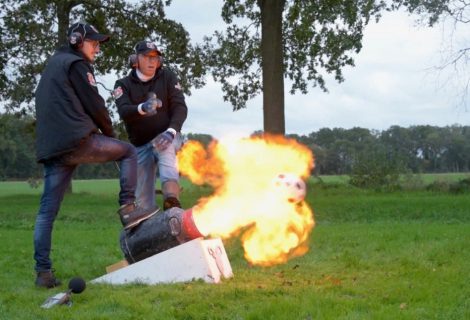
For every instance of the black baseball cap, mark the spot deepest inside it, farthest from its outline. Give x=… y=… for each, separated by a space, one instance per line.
x=87 y=31
x=144 y=47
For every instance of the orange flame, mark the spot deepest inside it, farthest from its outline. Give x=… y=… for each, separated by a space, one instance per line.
x=246 y=198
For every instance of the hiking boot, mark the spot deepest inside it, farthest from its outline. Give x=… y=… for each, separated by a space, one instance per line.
x=171 y=202
x=46 y=279
x=131 y=215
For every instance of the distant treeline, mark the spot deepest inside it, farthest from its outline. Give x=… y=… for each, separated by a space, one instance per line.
x=355 y=152
x=417 y=149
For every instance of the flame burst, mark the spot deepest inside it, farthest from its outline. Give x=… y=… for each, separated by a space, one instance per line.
x=245 y=198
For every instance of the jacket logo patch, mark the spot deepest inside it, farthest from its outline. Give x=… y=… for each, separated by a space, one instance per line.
x=117 y=93
x=178 y=86
x=91 y=79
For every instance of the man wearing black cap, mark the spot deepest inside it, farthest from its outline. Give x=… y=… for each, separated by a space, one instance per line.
x=73 y=127
x=151 y=104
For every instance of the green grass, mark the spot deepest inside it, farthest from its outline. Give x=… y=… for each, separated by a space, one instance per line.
x=423 y=179
x=373 y=255
x=444 y=177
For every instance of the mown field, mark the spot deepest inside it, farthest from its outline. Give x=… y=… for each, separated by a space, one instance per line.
x=373 y=255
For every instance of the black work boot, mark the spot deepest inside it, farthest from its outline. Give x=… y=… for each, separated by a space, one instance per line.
x=171 y=202
x=46 y=279
x=131 y=215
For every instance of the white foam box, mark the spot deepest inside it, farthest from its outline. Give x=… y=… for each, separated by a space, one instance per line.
x=193 y=260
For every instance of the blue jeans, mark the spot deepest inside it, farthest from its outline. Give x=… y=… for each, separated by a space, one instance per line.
x=149 y=163
x=97 y=148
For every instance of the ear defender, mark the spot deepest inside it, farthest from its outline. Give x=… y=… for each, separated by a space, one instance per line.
x=76 y=38
x=132 y=61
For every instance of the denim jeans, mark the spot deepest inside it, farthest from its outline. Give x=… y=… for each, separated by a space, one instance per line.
x=58 y=172
x=151 y=163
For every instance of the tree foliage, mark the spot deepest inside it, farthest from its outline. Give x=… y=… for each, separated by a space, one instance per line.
x=370 y=157
x=417 y=149
x=16 y=145
x=31 y=30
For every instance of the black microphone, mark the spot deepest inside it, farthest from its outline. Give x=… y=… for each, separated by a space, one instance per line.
x=76 y=285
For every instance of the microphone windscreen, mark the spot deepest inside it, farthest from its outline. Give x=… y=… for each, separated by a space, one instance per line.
x=77 y=285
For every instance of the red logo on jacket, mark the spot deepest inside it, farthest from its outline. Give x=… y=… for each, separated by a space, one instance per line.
x=91 y=79
x=117 y=93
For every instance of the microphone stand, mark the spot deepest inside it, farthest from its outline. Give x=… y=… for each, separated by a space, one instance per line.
x=60 y=298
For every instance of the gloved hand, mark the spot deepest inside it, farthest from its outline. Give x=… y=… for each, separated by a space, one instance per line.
x=163 y=140
x=150 y=106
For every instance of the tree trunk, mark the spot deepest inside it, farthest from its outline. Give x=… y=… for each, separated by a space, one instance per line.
x=272 y=65
x=63 y=16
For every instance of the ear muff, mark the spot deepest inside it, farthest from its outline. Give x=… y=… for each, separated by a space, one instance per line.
x=132 y=61
x=76 y=38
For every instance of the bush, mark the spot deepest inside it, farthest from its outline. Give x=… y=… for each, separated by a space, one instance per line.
x=461 y=186
x=376 y=170
x=438 y=186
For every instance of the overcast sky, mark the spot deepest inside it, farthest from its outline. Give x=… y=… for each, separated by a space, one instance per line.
x=393 y=83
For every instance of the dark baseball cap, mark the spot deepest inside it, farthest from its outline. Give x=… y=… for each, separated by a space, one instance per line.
x=87 y=31
x=144 y=47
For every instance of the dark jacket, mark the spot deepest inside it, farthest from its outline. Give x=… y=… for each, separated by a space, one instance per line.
x=68 y=105
x=130 y=91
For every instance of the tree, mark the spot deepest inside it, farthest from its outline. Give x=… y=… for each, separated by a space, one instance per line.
x=400 y=141
x=16 y=142
x=458 y=153
x=294 y=39
x=32 y=29
x=457 y=55
x=18 y=162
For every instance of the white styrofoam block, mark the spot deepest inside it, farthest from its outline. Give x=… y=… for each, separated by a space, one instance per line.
x=195 y=259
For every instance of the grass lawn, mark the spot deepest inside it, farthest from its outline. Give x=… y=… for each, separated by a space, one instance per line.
x=373 y=255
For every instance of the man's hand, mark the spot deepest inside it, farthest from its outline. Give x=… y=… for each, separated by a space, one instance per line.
x=150 y=106
x=163 y=140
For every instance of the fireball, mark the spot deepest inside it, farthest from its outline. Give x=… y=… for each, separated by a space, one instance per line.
x=259 y=192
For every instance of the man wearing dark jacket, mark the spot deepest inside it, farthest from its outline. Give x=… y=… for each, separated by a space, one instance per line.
x=152 y=106
x=73 y=127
